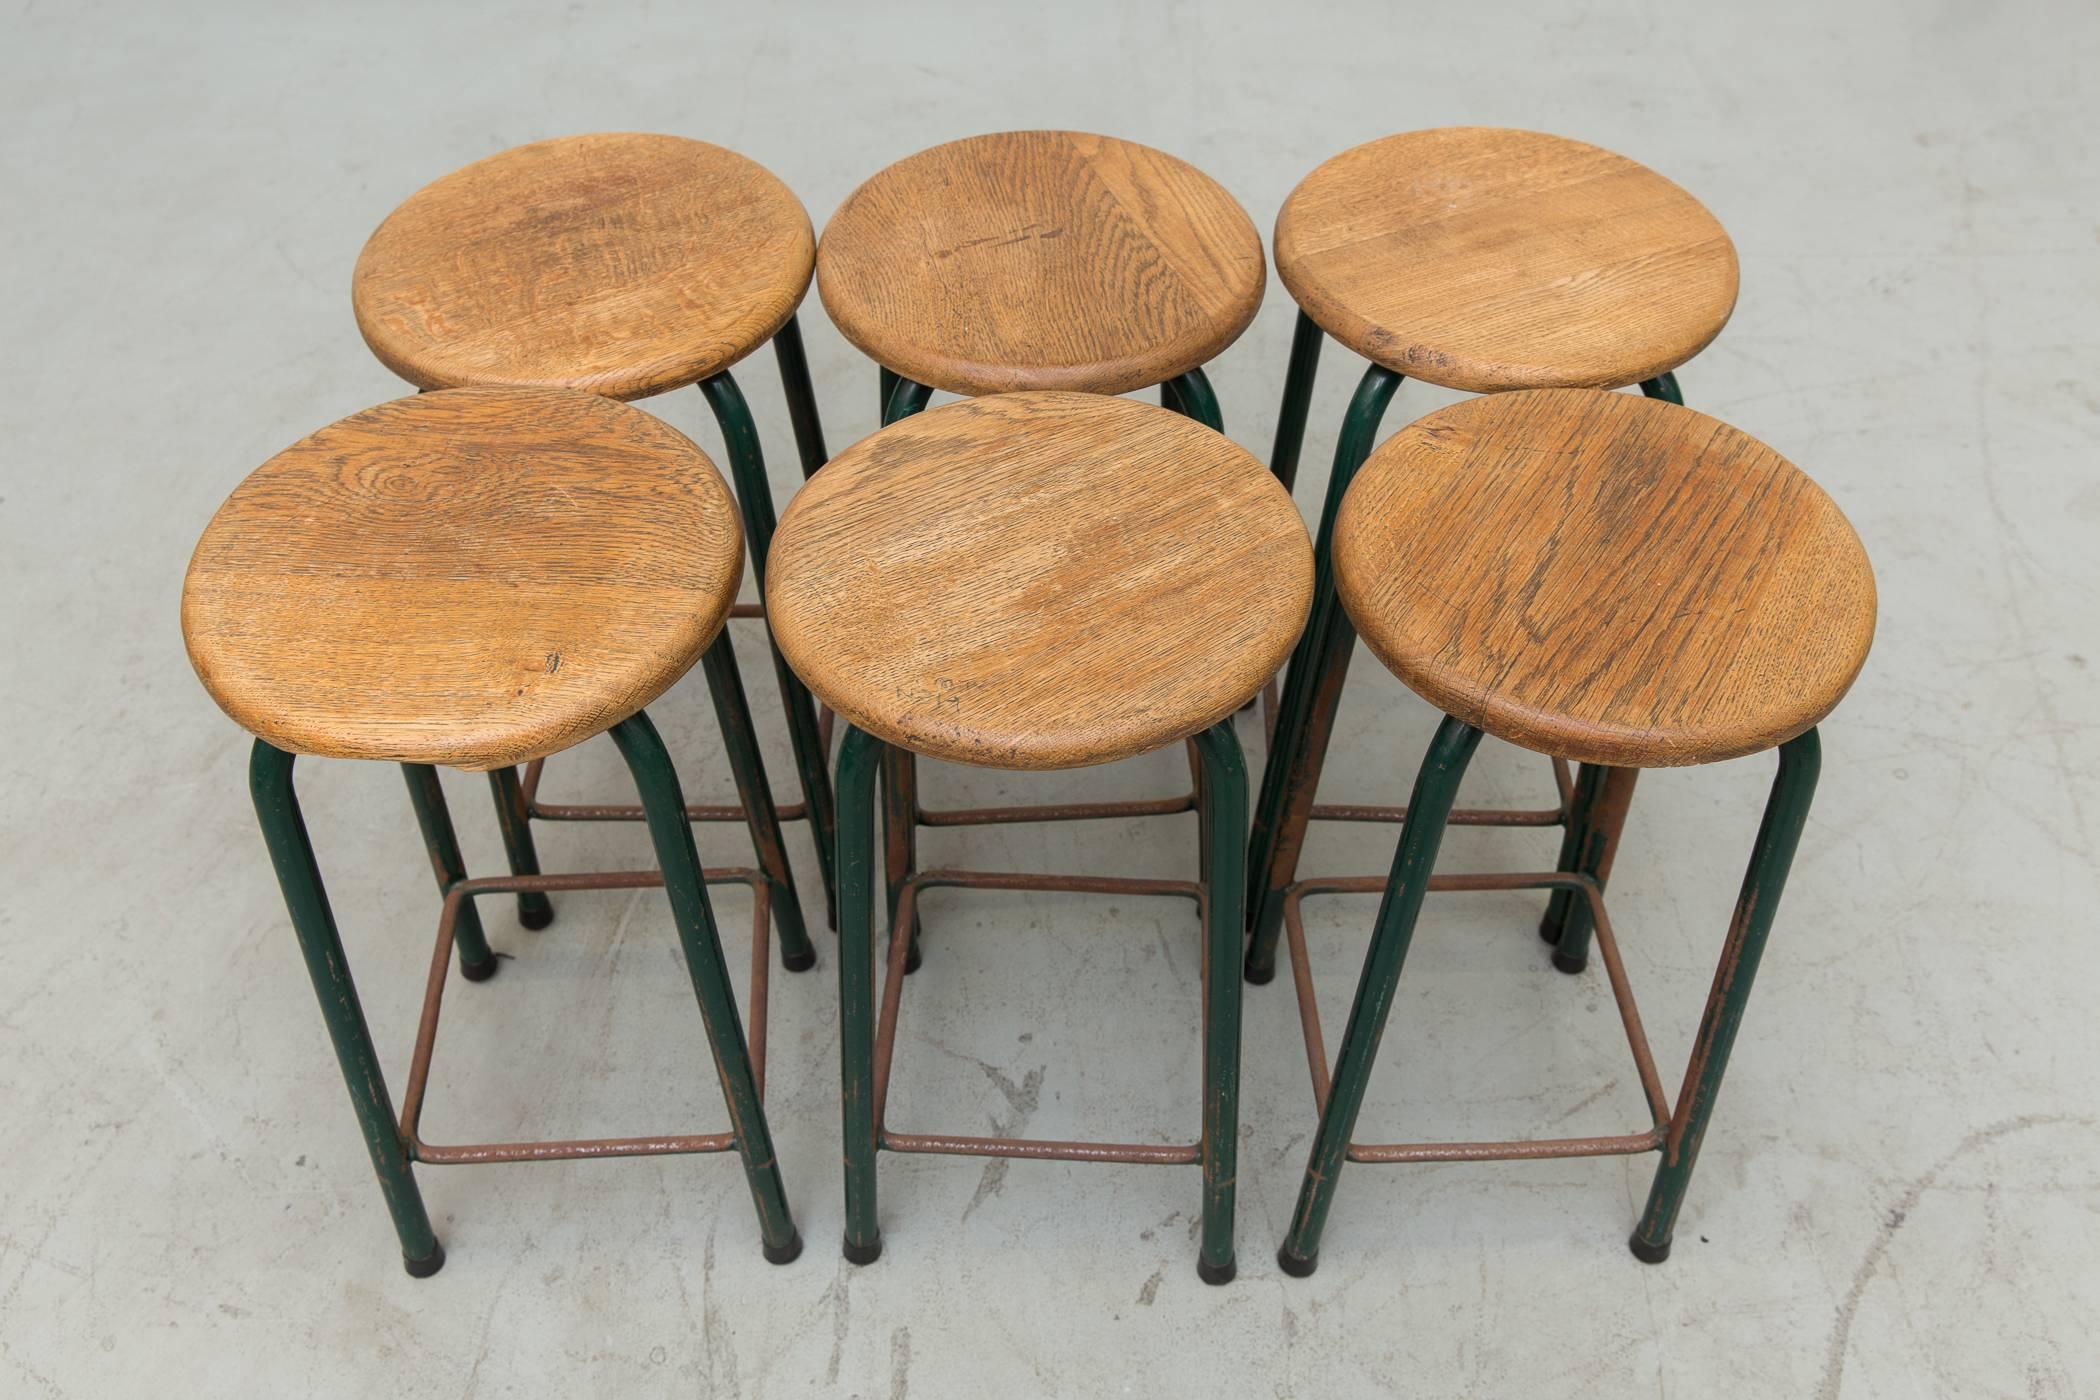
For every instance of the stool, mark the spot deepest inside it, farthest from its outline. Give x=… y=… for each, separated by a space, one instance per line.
x=1483 y=260
x=477 y=578
x=628 y=265
x=1039 y=581
x=1027 y=260
x=1611 y=581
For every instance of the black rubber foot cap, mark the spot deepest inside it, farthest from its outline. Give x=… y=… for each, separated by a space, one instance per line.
x=1549 y=929
x=536 y=916
x=1216 y=1274
x=863 y=1253
x=912 y=960
x=425 y=1267
x=1295 y=1265
x=1259 y=976
x=799 y=962
x=787 y=1253
x=1569 y=965
x=480 y=972
x=1648 y=1253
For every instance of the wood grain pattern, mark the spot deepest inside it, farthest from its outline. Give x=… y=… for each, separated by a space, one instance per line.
x=1486 y=259
x=1041 y=580
x=476 y=578
x=621 y=263
x=1605 y=577
x=1041 y=260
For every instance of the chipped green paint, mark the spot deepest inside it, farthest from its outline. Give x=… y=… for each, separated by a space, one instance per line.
x=1414 y=860
x=306 y=900
x=1771 y=858
x=657 y=781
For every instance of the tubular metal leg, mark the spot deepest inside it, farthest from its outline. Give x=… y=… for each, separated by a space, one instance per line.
x=306 y=900
x=859 y=757
x=1311 y=691
x=801 y=397
x=755 y=793
x=1778 y=837
x=1224 y=789
x=534 y=909
x=900 y=767
x=657 y=782
x=900 y=838
x=1191 y=396
x=1297 y=400
x=754 y=496
x=1589 y=846
x=1436 y=788
x=476 y=962
x=1664 y=387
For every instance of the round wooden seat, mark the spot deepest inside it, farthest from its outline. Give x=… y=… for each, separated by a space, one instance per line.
x=1041 y=260
x=1604 y=577
x=474 y=578
x=1039 y=580
x=621 y=263
x=1486 y=259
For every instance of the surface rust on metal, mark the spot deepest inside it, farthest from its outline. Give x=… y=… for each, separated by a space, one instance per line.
x=1563 y=783
x=1623 y=1144
x=413 y=1097
x=1041 y=1149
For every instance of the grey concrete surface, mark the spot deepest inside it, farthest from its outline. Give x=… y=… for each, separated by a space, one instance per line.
x=1899 y=1197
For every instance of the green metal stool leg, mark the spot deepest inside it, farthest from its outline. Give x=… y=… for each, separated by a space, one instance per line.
x=754 y=496
x=1224 y=791
x=1778 y=836
x=1191 y=396
x=859 y=757
x=755 y=793
x=801 y=397
x=1664 y=387
x=657 y=782
x=306 y=900
x=1589 y=781
x=1436 y=788
x=1311 y=691
x=900 y=767
x=476 y=962
x=1297 y=400
x=886 y=384
x=1589 y=846
x=903 y=397
x=535 y=910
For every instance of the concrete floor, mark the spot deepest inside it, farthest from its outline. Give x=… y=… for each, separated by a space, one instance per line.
x=1898 y=1198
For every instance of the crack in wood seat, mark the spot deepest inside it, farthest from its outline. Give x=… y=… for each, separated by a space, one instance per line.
x=1485 y=259
x=1041 y=260
x=1039 y=580
x=622 y=263
x=474 y=578
x=1604 y=577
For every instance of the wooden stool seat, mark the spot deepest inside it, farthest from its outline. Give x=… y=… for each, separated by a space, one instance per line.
x=1041 y=260
x=473 y=578
x=1604 y=577
x=622 y=263
x=1486 y=259
x=1041 y=580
